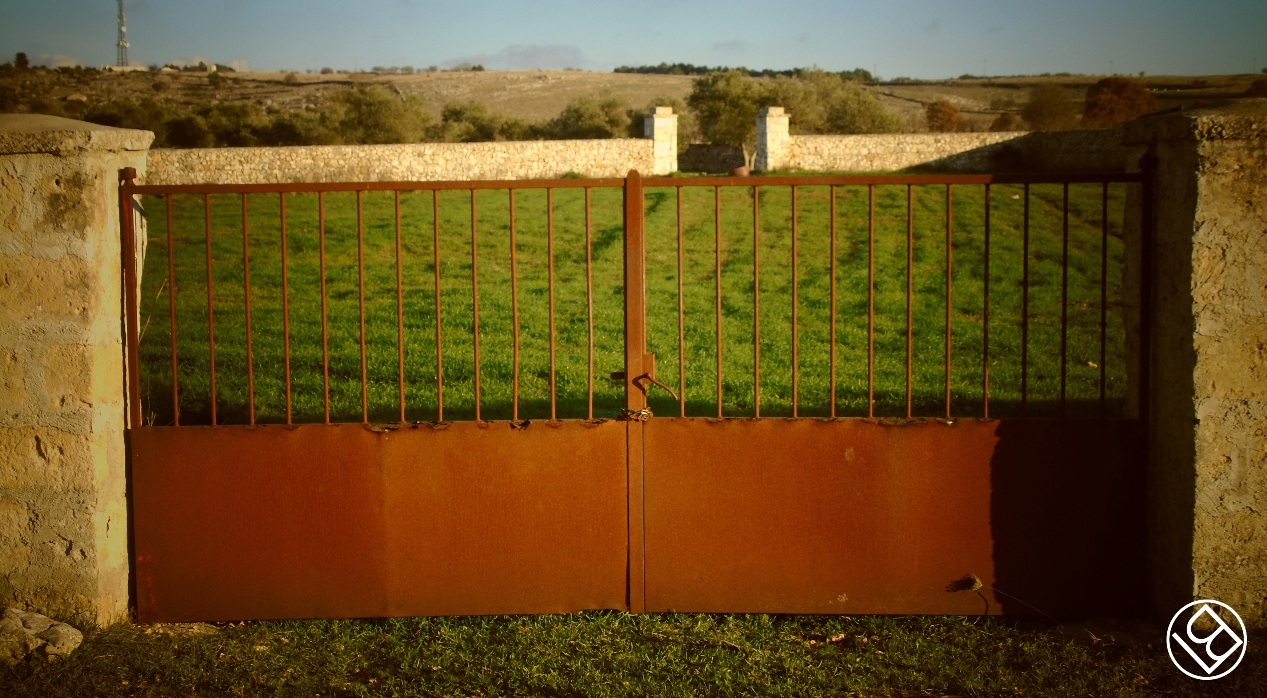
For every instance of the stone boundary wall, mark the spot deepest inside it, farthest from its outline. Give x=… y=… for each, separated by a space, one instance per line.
x=1053 y=151
x=401 y=163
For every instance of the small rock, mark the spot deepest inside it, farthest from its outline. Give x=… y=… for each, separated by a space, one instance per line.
x=23 y=632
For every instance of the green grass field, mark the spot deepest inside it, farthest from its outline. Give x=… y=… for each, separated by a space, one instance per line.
x=496 y=320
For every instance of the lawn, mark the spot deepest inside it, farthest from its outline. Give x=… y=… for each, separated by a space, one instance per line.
x=616 y=654
x=496 y=314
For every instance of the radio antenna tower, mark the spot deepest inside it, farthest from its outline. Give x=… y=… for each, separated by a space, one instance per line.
x=123 y=39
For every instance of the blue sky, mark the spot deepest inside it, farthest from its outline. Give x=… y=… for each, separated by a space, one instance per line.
x=915 y=38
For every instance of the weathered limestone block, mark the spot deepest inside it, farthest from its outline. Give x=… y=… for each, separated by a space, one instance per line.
x=772 y=140
x=1208 y=437
x=661 y=127
x=23 y=632
x=63 y=522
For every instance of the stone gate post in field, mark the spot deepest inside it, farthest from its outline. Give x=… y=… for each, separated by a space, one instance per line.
x=63 y=511
x=772 y=139
x=1208 y=407
x=661 y=127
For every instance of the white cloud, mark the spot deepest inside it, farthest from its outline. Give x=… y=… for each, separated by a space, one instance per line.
x=56 y=60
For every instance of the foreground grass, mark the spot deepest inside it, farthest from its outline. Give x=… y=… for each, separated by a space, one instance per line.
x=616 y=654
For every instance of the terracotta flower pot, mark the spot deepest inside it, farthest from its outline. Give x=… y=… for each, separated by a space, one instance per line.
x=740 y=171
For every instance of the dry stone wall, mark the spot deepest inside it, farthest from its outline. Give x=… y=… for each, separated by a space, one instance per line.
x=63 y=512
x=401 y=163
x=1054 y=151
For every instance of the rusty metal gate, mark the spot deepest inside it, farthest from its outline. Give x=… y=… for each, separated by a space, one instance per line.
x=935 y=507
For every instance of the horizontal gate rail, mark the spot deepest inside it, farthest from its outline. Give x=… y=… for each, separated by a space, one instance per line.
x=764 y=388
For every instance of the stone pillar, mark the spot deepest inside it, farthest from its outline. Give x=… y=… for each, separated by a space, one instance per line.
x=772 y=139
x=1208 y=408
x=63 y=508
x=661 y=127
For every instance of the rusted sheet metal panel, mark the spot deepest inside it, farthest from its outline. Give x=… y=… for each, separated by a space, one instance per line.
x=339 y=521
x=855 y=516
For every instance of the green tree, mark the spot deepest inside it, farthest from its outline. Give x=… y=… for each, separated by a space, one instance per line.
x=726 y=105
x=1116 y=100
x=20 y=61
x=1050 y=108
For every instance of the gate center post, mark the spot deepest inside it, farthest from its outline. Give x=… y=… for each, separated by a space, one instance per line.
x=635 y=395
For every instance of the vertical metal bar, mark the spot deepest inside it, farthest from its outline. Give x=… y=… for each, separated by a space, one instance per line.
x=717 y=277
x=475 y=306
x=635 y=397
x=589 y=308
x=435 y=258
x=1025 y=304
x=756 y=305
x=831 y=360
x=127 y=203
x=550 y=288
x=985 y=315
x=514 y=314
x=1064 y=295
x=211 y=311
x=281 y=201
x=325 y=334
x=400 y=316
x=949 y=297
x=795 y=302
x=870 y=300
x=910 y=264
x=171 y=308
x=681 y=316
x=360 y=280
x=246 y=287
x=1104 y=291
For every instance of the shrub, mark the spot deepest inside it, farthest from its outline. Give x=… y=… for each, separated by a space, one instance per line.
x=466 y=122
x=944 y=117
x=216 y=80
x=591 y=117
x=1007 y=121
x=21 y=62
x=291 y=78
x=1116 y=100
x=822 y=102
x=327 y=71
x=1257 y=89
x=371 y=114
x=1050 y=108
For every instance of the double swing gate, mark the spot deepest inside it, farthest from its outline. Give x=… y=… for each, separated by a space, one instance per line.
x=879 y=394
